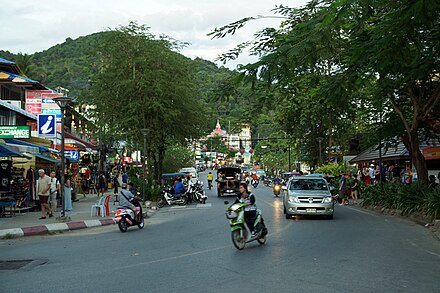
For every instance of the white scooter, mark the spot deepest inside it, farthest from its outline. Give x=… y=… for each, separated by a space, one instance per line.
x=167 y=198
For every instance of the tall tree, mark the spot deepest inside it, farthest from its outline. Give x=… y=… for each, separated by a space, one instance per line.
x=145 y=83
x=388 y=49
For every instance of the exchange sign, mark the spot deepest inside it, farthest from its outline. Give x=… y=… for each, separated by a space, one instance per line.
x=15 y=132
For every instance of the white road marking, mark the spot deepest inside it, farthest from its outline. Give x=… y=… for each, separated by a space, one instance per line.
x=176 y=257
x=362 y=212
x=206 y=205
x=178 y=207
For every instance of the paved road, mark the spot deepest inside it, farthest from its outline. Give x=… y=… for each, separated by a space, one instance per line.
x=189 y=250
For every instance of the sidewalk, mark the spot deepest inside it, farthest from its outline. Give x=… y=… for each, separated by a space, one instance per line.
x=29 y=224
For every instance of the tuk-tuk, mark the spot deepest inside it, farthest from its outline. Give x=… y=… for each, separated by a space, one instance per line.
x=228 y=180
x=168 y=178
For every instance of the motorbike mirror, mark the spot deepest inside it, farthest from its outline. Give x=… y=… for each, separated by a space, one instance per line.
x=226 y=202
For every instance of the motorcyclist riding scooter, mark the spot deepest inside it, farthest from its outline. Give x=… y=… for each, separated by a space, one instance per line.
x=250 y=211
x=130 y=211
x=276 y=185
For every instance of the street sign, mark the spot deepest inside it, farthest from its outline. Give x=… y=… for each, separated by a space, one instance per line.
x=46 y=125
x=15 y=132
x=72 y=155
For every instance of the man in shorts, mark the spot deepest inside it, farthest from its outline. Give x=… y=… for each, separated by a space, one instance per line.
x=43 y=189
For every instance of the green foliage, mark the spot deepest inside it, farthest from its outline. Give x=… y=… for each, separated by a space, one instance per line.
x=335 y=63
x=332 y=169
x=409 y=199
x=177 y=157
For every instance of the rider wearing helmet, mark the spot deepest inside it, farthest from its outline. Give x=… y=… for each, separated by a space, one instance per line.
x=250 y=211
x=210 y=178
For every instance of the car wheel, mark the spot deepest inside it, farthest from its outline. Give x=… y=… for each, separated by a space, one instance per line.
x=330 y=217
x=288 y=216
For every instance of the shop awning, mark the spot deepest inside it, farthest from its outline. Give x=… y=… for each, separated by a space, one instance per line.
x=24 y=143
x=17 y=110
x=18 y=80
x=49 y=159
x=6 y=151
x=76 y=140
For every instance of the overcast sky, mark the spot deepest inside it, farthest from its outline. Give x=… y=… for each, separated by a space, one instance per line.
x=30 y=26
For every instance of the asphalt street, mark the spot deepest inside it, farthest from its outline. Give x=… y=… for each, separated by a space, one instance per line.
x=189 y=249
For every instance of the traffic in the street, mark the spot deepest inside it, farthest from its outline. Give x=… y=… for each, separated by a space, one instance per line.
x=189 y=249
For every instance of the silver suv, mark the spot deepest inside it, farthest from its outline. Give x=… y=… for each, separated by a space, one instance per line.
x=307 y=196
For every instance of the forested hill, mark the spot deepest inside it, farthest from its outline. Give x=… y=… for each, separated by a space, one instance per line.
x=71 y=63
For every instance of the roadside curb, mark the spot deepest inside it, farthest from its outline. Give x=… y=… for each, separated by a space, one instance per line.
x=53 y=228
x=60 y=227
x=420 y=219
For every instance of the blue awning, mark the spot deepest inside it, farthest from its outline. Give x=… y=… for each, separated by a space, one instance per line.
x=8 y=152
x=49 y=159
x=20 y=142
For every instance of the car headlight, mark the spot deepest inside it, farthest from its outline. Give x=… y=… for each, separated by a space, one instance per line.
x=327 y=199
x=293 y=199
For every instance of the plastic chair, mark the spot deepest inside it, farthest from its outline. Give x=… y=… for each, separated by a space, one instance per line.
x=106 y=207
x=98 y=208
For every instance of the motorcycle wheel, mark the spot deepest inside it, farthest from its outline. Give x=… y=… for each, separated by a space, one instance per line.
x=142 y=223
x=237 y=240
x=161 y=203
x=204 y=200
x=123 y=225
x=185 y=201
x=262 y=240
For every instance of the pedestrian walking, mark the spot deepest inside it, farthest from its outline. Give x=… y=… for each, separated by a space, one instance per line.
x=354 y=189
x=101 y=183
x=43 y=192
x=54 y=189
x=67 y=193
x=124 y=178
x=342 y=189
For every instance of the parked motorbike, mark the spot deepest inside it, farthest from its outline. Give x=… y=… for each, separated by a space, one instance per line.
x=255 y=182
x=267 y=182
x=277 y=189
x=196 y=192
x=240 y=232
x=167 y=198
x=125 y=217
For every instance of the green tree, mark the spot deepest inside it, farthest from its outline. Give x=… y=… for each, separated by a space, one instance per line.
x=378 y=57
x=145 y=83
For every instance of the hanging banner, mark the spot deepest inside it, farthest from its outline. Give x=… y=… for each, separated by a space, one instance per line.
x=5 y=175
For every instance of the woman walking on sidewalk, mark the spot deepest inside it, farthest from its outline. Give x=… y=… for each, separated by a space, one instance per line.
x=67 y=193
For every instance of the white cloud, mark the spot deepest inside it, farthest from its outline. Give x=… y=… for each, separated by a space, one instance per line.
x=31 y=26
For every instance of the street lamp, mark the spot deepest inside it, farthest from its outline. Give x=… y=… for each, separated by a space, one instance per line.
x=320 y=139
x=62 y=102
x=145 y=132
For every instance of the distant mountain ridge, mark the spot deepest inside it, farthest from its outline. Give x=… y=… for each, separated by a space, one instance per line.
x=71 y=63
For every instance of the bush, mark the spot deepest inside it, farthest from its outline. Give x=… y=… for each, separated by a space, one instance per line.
x=413 y=198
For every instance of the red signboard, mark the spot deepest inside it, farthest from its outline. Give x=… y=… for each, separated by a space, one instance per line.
x=432 y=153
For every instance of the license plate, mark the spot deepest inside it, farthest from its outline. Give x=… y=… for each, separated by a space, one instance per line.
x=311 y=210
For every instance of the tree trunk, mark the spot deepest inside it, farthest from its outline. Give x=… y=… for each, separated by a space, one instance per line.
x=411 y=142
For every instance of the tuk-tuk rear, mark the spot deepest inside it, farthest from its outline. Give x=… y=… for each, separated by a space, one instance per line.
x=228 y=181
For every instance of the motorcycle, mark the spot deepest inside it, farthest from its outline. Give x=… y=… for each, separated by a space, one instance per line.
x=240 y=232
x=255 y=182
x=167 y=198
x=277 y=189
x=267 y=182
x=196 y=192
x=125 y=217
